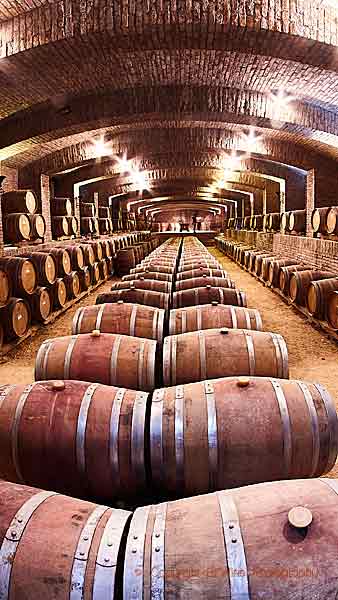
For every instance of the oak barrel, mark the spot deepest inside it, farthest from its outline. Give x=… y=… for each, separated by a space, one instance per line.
x=200 y=273
x=21 y=273
x=17 y=227
x=324 y=220
x=45 y=266
x=300 y=282
x=232 y=428
x=88 y=254
x=85 y=278
x=60 y=458
x=265 y=266
x=61 y=207
x=73 y=225
x=58 y=293
x=60 y=227
x=297 y=221
x=285 y=274
x=15 y=318
x=63 y=261
x=189 y=284
x=275 y=266
x=105 y=358
x=206 y=264
x=153 y=267
x=76 y=256
x=284 y=221
x=212 y=316
x=257 y=262
x=87 y=209
x=19 y=201
x=273 y=541
x=258 y=353
x=87 y=226
x=274 y=221
x=103 y=268
x=98 y=252
x=53 y=545
x=332 y=310
x=104 y=212
x=5 y=286
x=106 y=248
x=40 y=304
x=38 y=226
x=125 y=261
x=208 y=294
x=121 y=317
x=72 y=283
x=95 y=273
x=317 y=296
x=143 y=284
x=147 y=297
x=148 y=275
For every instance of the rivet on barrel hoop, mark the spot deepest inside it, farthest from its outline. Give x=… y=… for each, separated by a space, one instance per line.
x=300 y=517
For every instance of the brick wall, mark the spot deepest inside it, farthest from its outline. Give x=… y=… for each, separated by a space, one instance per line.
x=11 y=181
x=45 y=205
x=319 y=253
x=252 y=238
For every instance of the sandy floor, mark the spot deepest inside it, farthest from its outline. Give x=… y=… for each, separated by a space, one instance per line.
x=312 y=355
x=18 y=365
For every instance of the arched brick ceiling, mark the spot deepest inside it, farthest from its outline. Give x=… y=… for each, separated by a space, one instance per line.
x=14 y=8
x=172 y=84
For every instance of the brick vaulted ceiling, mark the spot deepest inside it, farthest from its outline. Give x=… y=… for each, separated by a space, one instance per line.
x=173 y=83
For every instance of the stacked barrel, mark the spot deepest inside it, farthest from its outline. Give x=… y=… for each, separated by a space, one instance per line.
x=64 y=223
x=122 y=411
x=89 y=219
x=104 y=219
x=313 y=291
x=21 y=222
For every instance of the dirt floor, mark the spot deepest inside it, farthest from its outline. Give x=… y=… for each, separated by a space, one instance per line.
x=18 y=365
x=312 y=355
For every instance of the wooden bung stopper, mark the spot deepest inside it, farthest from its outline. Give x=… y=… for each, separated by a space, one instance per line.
x=96 y=333
x=120 y=301
x=58 y=386
x=224 y=331
x=243 y=381
x=300 y=517
x=214 y=303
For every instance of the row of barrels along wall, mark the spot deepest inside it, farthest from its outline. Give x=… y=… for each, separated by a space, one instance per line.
x=164 y=547
x=34 y=286
x=64 y=224
x=324 y=222
x=314 y=291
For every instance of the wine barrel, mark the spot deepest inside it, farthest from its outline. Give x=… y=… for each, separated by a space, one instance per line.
x=275 y=266
x=73 y=225
x=105 y=358
x=285 y=274
x=258 y=222
x=143 y=284
x=212 y=316
x=85 y=278
x=258 y=353
x=38 y=226
x=274 y=540
x=40 y=304
x=45 y=415
x=5 y=287
x=106 y=248
x=46 y=564
x=103 y=268
x=148 y=275
x=45 y=266
x=63 y=261
x=95 y=224
x=72 y=283
x=110 y=265
x=19 y=201
x=88 y=254
x=256 y=262
x=246 y=223
x=266 y=222
x=210 y=264
x=104 y=226
x=87 y=209
x=332 y=310
x=60 y=227
x=98 y=252
x=233 y=407
x=61 y=207
x=324 y=220
x=121 y=317
x=300 y=282
x=95 y=273
x=104 y=212
x=208 y=294
x=200 y=273
x=87 y=225
x=58 y=293
x=265 y=265
x=76 y=256
x=21 y=273
x=190 y=284
x=317 y=296
x=17 y=227
x=145 y=297
x=284 y=221
x=153 y=267
x=15 y=318
x=125 y=261
x=297 y=221
x=274 y=221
